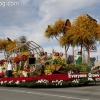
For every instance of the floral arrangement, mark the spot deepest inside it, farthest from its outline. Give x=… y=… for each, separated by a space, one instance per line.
x=17 y=73
x=2 y=61
x=20 y=58
x=53 y=80
x=48 y=70
x=16 y=59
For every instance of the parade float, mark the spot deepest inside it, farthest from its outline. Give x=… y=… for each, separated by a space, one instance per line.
x=29 y=71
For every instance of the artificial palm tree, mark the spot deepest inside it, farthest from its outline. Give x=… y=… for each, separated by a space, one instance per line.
x=58 y=31
x=84 y=30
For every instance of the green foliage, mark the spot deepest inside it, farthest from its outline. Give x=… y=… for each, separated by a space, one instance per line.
x=94 y=71
x=84 y=81
x=58 y=61
x=83 y=67
x=72 y=65
x=48 y=67
x=33 y=73
x=50 y=84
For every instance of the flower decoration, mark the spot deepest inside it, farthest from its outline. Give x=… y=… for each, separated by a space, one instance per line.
x=2 y=61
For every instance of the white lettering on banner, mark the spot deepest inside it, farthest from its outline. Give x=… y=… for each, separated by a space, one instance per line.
x=93 y=75
x=84 y=75
x=77 y=75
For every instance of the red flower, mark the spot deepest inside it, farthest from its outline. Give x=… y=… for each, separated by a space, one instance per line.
x=32 y=55
x=52 y=77
x=16 y=59
x=24 y=57
x=2 y=61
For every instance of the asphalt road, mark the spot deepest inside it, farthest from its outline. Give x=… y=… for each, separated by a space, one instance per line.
x=91 y=92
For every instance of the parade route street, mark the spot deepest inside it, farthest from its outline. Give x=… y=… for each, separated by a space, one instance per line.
x=91 y=92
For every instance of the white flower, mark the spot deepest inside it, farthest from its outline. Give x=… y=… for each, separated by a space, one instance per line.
x=60 y=84
x=75 y=81
x=17 y=82
x=53 y=81
x=56 y=80
x=1 y=82
x=97 y=79
x=42 y=81
x=5 y=81
x=38 y=81
x=90 y=79
x=61 y=80
x=10 y=82
x=23 y=80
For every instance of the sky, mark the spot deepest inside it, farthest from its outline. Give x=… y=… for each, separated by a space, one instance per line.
x=31 y=17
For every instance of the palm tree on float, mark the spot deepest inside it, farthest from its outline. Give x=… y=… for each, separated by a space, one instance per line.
x=58 y=31
x=84 y=32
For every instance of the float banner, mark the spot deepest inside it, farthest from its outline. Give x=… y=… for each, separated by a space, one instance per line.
x=89 y=75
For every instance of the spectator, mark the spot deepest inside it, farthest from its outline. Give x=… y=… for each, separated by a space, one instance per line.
x=69 y=60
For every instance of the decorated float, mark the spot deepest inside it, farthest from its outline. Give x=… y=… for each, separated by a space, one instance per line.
x=32 y=67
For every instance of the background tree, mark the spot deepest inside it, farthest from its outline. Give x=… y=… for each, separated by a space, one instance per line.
x=58 y=31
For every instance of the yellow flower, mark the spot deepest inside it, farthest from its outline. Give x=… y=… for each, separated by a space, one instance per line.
x=14 y=72
x=3 y=67
x=38 y=56
x=20 y=72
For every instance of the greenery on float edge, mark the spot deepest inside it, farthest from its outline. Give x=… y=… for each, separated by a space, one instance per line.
x=34 y=84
